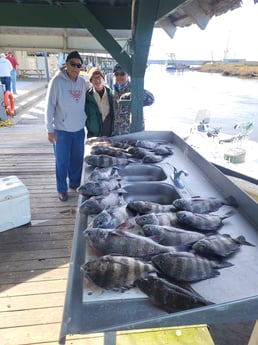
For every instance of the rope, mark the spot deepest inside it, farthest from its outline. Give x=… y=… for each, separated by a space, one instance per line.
x=6 y=123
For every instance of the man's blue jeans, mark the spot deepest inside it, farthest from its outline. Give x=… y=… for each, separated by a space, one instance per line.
x=69 y=154
x=7 y=82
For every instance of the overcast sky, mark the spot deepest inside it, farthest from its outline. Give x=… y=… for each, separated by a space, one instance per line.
x=234 y=32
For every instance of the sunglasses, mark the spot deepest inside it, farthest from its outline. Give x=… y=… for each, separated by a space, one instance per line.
x=119 y=73
x=73 y=64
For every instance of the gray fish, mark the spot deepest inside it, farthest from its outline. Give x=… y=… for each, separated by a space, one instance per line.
x=105 y=161
x=187 y=267
x=203 y=222
x=164 y=218
x=202 y=205
x=103 y=174
x=112 y=217
x=144 y=207
x=146 y=144
x=163 y=150
x=168 y=296
x=96 y=204
x=116 y=272
x=110 y=241
x=171 y=236
x=219 y=245
x=110 y=151
x=138 y=152
x=99 y=187
x=152 y=158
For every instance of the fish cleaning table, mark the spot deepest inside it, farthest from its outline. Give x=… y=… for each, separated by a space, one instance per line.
x=234 y=292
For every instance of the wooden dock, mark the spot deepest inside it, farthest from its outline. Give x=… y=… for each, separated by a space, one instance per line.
x=34 y=259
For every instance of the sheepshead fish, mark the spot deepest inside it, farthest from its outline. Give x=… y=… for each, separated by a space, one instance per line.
x=164 y=218
x=110 y=241
x=219 y=245
x=110 y=151
x=105 y=161
x=187 y=267
x=99 y=187
x=137 y=152
x=203 y=222
x=202 y=205
x=144 y=207
x=163 y=150
x=169 y=296
x=103 y=174
x=96 y=204
x=116 y=272
x=171 y=236
x=112 y=217
x=152 y=158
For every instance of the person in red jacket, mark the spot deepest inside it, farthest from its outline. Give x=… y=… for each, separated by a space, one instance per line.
x=14 y=64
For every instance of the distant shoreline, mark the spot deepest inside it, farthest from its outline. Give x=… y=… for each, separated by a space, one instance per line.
x=236 y=69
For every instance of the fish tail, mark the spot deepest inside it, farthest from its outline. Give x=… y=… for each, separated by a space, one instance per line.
x=241 y=239
x=231 y=201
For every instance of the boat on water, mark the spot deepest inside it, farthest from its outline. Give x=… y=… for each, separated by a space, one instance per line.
x=235 y=155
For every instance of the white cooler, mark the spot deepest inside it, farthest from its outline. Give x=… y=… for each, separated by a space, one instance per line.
x=14 y=203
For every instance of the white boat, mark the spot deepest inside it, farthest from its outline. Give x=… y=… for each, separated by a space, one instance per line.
x=236 y=155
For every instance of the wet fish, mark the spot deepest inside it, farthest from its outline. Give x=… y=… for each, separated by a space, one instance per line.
x=203 y=222
x=171 y=236
x=187 y=267
x=164 y=218
x=110 y=151
x=202 y=205
x=99 y=187
x=219 y=245
x=138 y=152
x=143 y=207
x=152 y=158
x=112 y=217
x=163 y=150
x=116 y=272
x=103 y=174
x=105 y=161
x=110 y=241
x=96 y=204
x=169 y=296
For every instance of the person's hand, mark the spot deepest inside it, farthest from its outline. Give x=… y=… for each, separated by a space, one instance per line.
x=52 y=138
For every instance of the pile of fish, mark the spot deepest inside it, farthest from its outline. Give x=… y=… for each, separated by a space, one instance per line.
x=160 y=249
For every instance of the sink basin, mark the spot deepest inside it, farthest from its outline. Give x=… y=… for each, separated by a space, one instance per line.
x=162 y=193
x=142 y=172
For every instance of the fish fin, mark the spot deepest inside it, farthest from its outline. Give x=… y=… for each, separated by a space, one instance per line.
x=231 y=201
x=241 y=240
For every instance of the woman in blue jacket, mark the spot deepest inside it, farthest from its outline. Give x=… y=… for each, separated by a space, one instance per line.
x=99 y=106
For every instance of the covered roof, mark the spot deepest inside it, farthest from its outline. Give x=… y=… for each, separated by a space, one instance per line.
x=63 y=25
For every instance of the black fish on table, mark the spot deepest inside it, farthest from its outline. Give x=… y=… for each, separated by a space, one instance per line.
x=110 y=151
x=187 y=267
x=169 y=296
x=110 y=241
x=100 y=187
x=116 y=272
x=202 y=222
x=105 y=161
x=143 y=207
x=112 y=217
x=171 y=236
x=219 y=245
x=164 y=218
x=202 y=205
x=152 y=158
x=98 y=203
x=103 y=174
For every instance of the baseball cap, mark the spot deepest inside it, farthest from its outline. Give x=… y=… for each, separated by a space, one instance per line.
x=119 y=68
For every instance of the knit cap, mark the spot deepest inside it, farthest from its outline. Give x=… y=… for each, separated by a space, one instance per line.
x=74 y=55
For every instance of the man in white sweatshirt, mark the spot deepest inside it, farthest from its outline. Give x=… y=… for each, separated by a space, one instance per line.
x=65 y=121
x=5 y=72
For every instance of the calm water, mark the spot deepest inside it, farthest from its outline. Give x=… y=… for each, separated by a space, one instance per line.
x=179 y=96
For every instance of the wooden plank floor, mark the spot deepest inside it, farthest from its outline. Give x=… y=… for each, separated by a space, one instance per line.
x=34 y=259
